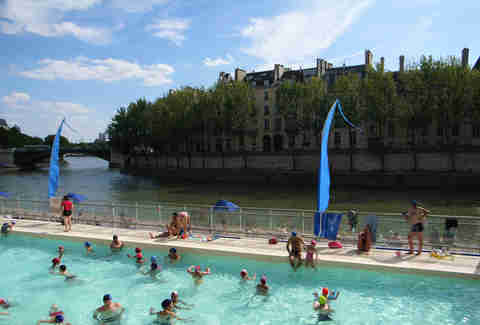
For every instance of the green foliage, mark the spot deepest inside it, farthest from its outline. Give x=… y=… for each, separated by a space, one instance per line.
x=49 y=140
x=430 y=93
x=13 y=138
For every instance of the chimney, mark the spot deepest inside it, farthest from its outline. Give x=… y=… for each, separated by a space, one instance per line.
x=465 y=57
x=329 y=66
x=368 y=57
x=277 y=72
x=240 y=74
x=221 y=76
x=382 y=63
x=402 y=63
x=320 y=67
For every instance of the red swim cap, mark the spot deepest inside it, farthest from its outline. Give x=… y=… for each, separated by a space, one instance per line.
x=139 y=255
x=2 y=301
x=56 y=260
x=325 y=292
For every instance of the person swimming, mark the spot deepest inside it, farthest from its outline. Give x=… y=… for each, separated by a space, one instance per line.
x=167 y=316
x=116 y=244
x=262 y=287
x=61 y=251
x=244 y=275
x=176 y=302
x=197 y=274
x=154 y=267
x=110 y=312
x=7 y=227
x=173 y=256
x=88 y=248
x=56 y=316
x=138 y=256
x=321 y=306
x=4 y=303
x=63 y=272
x=55 y=262
x=311 y=255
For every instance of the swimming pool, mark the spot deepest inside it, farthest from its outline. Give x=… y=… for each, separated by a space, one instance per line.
x=367 y=297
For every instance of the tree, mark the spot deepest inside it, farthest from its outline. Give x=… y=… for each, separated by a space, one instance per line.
x=63 y=140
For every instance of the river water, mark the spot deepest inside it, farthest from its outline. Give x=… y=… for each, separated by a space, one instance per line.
x=91 y=177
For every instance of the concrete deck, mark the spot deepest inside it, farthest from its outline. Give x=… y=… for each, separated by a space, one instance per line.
x=258 y=248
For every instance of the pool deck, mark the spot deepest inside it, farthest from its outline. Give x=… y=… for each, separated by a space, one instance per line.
x=258 y=248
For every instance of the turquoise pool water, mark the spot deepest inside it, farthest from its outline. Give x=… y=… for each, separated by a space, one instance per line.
x=367 y=297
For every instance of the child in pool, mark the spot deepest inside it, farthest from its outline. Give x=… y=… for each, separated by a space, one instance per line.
x=311 y=255
x=262 y=287
x=244 y=275
x=329 y=295
x=173 y=256
x=154 y=268
x=88 y=248
x=176 y=302
x=55 y=262
x=138 y=256
x=323 y=309
x=61 y=252
x=63 y=272
x=197 y=274
x=166 y=316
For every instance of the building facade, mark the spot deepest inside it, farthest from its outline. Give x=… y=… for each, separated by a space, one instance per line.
x=268 y=132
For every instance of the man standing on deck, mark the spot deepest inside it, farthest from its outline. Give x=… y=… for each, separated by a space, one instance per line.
x=294 y=247
x=416 y=216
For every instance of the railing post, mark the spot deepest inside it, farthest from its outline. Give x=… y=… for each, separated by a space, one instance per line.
x=271 y=219
x=303 y=223
x=241 y=220
x=210 y=218
x=136 y=212
x=159 y=213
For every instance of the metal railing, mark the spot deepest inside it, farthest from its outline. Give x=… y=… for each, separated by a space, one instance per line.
x=392 y=229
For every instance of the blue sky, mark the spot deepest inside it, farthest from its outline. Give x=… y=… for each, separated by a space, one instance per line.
x=84 y=59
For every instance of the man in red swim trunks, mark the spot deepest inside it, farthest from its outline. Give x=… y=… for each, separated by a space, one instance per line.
x=67 y=210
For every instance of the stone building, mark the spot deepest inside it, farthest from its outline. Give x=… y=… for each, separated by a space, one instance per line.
x=269 y=131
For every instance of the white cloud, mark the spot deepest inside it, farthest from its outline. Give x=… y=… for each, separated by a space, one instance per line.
x=40 y=118
x=218 y=61
x=15 y=98
x=299 y=35
x=170 y=29
x=137 y=5
x=45 y=18
x=107 y=70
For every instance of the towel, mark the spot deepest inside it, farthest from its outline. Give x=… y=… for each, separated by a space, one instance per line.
x=330 y=225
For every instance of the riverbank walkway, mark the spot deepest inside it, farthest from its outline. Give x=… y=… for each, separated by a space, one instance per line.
x=258 y=248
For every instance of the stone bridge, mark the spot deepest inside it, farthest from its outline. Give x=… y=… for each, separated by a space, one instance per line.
x=29 y=157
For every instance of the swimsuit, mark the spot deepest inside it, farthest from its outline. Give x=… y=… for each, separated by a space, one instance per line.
x=309 y=256
x=418 y=227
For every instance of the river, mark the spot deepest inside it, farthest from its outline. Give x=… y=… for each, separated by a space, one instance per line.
x=91 y=177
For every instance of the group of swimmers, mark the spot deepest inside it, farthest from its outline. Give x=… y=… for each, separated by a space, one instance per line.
x=295 y=246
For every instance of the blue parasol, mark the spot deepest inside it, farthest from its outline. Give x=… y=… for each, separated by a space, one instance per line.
x=4 y=194
x=226 y=206
x=77 y=198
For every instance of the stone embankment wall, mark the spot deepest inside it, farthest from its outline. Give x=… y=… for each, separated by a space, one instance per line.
x=7 y=158
x=426 y=169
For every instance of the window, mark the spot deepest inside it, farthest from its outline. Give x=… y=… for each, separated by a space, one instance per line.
x=266 y=83
x=278 y=124
x=291 y=141
x=424 y=131
x=228 y=145
x=476 y=131
x=440 y=132
x=353 y=139
x=266 y=110
x=391 y=129
x=218 y=146
x=265 y=95
x=455 y=131
x=373 y=130
x=267 y=124
x=337 y=139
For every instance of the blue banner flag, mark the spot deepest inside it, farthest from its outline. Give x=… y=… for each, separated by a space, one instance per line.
x=54 y=172
x=324 y=169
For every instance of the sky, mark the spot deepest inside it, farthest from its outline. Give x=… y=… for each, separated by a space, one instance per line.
x=84 y=59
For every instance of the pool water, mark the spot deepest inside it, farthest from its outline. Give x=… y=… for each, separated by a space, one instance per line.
x=367 y=297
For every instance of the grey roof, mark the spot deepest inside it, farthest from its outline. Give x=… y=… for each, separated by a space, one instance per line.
x=3 y=122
